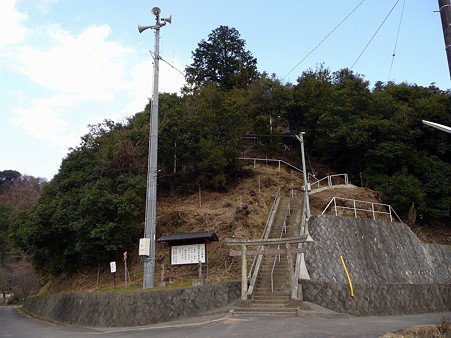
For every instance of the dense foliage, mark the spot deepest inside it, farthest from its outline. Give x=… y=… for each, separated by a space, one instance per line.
x=18 y=194
x=94 y=207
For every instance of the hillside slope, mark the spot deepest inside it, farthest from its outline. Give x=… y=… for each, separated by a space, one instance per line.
x=240 y=212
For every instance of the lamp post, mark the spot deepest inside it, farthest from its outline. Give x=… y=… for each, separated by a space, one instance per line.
x=304 y=169
x=151 y=195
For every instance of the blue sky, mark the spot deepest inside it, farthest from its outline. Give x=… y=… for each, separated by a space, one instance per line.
x=65 y=64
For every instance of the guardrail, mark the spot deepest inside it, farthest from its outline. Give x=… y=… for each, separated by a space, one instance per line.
x=373 y=211
x=328 y=180
x=255 y=160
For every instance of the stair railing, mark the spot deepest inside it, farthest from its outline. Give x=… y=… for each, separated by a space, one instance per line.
x=283 y=231
x=256 y=262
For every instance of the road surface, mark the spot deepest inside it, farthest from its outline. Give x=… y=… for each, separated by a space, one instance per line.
x=13 y=323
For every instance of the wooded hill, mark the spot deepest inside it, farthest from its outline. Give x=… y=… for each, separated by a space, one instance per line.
x=94 y=207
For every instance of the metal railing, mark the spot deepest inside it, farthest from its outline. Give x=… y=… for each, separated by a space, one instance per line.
x=277 y=256
x=328 y=180
x=373 y=210
x=256 y=262
x=255 y=160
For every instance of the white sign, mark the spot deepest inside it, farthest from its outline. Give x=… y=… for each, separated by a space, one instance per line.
x=188 y=254
x=113 y=267
x=144 y=246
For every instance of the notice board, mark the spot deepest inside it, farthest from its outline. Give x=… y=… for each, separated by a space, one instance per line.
x=188 y=254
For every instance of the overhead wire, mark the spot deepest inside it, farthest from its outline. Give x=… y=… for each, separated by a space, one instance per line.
x=377 y=30
x=314 y=48
x=396 y=42
x=170 y=65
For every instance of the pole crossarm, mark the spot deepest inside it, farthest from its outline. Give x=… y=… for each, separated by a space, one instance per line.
x=270 y=241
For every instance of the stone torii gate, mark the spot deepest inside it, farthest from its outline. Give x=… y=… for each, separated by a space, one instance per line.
x=263 y=249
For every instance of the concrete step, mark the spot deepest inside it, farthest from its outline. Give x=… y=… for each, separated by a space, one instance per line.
x=251 y=311
x=275 y=301
x=263 y=305
x=269 y=295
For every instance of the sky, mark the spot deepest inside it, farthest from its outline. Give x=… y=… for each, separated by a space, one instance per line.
x=66 y=64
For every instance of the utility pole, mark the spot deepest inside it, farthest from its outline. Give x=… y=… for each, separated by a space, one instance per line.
x=445 y=14
x=151 y=195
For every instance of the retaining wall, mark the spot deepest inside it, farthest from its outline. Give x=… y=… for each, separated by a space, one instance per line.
x=132 y=308
x=379 y=299
x=391 y=270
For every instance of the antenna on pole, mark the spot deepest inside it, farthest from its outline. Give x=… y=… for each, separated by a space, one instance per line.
x=148 y=242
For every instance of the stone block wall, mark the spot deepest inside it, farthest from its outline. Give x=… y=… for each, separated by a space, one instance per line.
x=132 y=308
x=375 y=252
x=391 y=270
x=379 y=299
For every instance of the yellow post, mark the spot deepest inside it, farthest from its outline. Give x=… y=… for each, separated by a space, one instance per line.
x=347 y=274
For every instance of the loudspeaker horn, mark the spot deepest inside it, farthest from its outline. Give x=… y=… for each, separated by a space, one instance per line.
x=156 y=11
x=168 y=19
x=142 y=28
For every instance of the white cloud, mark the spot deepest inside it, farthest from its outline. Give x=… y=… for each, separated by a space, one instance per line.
x=11 y=20
x=43 y=118
x=87 y=65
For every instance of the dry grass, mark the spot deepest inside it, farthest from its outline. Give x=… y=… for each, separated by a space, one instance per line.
x=442 y=330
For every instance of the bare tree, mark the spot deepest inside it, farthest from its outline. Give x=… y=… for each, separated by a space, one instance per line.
x=24 y=280
x=5 y=280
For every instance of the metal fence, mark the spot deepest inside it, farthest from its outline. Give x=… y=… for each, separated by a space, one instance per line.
x=328 y=181
x=266 y=160
x=357 y=208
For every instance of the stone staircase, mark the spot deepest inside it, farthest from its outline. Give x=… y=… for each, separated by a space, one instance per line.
x=273 y=298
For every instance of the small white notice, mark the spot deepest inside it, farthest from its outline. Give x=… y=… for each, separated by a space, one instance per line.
x=144 y=246
x=188 y=254
x=113 y=267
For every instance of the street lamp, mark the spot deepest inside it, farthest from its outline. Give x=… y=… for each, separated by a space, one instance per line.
x=304 y=170
x=151 y=195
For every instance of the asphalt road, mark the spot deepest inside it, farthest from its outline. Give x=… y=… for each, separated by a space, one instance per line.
x=13 y=323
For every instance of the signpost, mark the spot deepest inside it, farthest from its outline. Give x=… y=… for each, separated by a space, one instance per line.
x=125 y=267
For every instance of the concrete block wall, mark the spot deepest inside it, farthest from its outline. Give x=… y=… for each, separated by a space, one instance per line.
x=374 y=252
x=132 y=308
x=391 y=270
x=379 y=299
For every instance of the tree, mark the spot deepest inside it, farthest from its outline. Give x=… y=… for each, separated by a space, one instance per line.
x=5 y=221
x=222 y=60
x=5 y=280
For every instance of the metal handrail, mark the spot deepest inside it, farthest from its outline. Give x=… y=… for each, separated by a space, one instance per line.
x=329 y=180
x=283 y=230
x=390 y=212
x=256 y=262
x=271 y=160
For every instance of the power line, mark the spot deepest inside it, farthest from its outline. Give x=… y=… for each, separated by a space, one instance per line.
x=396 y=42
x=391 y=10
x=305 y=57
